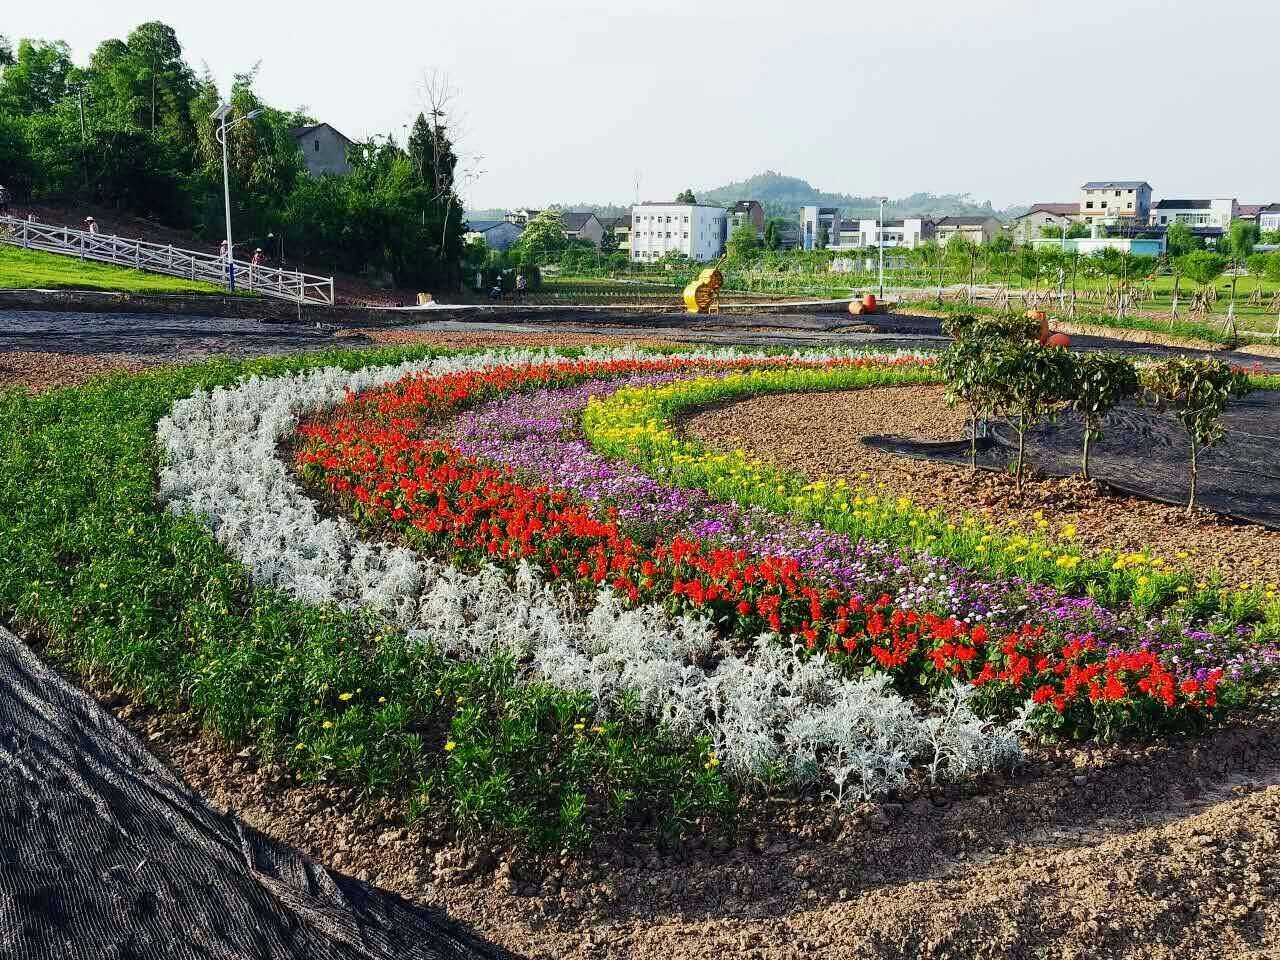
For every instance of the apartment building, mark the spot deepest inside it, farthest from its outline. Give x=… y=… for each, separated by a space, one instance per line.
x=743 y=212
x=1115 y=200
x=695 y=230
x=1196 y=213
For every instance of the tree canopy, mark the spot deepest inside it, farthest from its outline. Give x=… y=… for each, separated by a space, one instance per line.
x=132 y=130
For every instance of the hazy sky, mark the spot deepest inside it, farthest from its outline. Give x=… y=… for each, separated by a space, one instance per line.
x=1013 y=101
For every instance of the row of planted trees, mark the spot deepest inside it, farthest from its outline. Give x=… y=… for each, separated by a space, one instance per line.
x=997 y=367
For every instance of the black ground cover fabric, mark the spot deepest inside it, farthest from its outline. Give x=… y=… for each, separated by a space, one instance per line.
x=105 y=854
x=1147 y=453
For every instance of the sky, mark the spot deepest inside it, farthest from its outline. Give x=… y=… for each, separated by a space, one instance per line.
x=1012 y=101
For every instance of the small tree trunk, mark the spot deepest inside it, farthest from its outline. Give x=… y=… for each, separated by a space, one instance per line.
x=1022 y=445
x=1191 y=501
x=973 y=441
x=1084 y=459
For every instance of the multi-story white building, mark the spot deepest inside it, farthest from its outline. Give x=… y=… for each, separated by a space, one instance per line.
x=693 y=229
x=1196 y=213
x=1103 y=201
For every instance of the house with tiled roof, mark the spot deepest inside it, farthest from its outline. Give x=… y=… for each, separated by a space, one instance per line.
x=1030 y=226
x=977 y=229
x=582 y=226
x=496 y=234
x=324 y=149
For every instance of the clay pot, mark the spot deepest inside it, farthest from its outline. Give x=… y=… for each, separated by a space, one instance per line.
x=869 y=302
x=1058 y=340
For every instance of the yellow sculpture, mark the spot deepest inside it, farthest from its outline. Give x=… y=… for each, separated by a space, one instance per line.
x=703 y=294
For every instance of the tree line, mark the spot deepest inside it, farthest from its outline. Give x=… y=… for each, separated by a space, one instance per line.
x=131 y=130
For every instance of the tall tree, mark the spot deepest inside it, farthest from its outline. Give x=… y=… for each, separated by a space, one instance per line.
x=1178 y=240
x=36 y=79
x=686 y=196
x=772 y=235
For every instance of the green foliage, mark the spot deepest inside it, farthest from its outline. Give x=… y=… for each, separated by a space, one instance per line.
x=772 y=235
x=1098 y=382
x=1197 y=392
x=1272 y=267
x=1241 y=238
x=743 y=243
x=117 y=588
x=1202 y=266
x=1077 y=230
x=146 y=143
x=1033 y=381
x=544 y=233
x=686 y=196
x=1179 y=240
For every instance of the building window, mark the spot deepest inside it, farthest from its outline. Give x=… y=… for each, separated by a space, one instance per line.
x=317 y=149
x=1089 y=205
x=1117 y=193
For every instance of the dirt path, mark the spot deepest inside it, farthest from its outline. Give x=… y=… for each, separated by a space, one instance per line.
x=1163 y=851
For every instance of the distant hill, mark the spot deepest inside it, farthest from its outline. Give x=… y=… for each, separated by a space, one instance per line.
x=783 y=196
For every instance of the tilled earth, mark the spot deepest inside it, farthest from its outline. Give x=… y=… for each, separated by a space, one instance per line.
x=785 y=429
x=1163 y=851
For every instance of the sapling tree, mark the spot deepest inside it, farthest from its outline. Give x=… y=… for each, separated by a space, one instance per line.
x=969 y=372
x=1033 y=381
x=1098 y=382
x=1196 y=392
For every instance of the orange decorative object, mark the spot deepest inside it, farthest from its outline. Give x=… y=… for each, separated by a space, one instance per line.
x=869 y=301
x=856 y=308
x=1058 y=340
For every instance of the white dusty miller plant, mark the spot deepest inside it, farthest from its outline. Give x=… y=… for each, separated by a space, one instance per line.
x=773 y=711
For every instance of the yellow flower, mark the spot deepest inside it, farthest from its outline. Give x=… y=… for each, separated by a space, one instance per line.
x=1068 y=532
x=382 y=699
x=301 y=746
x=1184 y=589
x=327 y=725
x=344 y=697
x=579 y=726
x=1038 y=515
x=1182 y=554
x=439 y=692
x=1143 y=580
x=450 y=746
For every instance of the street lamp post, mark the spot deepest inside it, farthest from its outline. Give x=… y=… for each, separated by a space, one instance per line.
x=221 y=115
x=880 y=246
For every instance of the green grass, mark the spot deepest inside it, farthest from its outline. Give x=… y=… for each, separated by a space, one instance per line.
x=35 y=269
x=112 y=586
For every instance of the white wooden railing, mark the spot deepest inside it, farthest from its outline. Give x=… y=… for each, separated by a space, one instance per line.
x=167 y=259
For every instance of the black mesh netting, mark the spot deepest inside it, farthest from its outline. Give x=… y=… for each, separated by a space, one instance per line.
x=1147 y=453
x=104 y=853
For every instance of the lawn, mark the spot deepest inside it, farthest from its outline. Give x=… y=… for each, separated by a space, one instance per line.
x=34 y=269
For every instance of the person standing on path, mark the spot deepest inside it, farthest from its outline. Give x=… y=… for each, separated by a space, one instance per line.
x=91 y=225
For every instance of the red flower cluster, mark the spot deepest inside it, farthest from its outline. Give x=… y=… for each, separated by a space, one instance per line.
x=454 y=505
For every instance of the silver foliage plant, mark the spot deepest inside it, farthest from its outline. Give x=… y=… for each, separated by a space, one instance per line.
x=768 y=715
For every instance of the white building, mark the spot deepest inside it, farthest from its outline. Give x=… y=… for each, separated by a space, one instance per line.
x=1196 y=213
x=1269 y=218
x=909 y=232
x=693 y=229
x=1115 y=201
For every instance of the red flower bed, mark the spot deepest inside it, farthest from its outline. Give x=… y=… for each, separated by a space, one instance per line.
x=451 y=505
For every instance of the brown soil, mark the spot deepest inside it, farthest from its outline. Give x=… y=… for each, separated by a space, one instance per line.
x=1163 y=851
x=782 y=428
x=46 y=371
x=500 y=338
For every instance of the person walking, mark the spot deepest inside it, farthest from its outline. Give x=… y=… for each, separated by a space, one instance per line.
x=91 y=225
x=522 y=286
x=257 y=257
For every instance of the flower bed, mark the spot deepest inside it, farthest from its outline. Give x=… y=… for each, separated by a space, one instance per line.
x=470 y=680
x=609 y=524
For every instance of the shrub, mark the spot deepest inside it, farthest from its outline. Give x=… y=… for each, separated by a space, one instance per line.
x=1033 y=381
x=1097 y=383
x=1197 y=392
